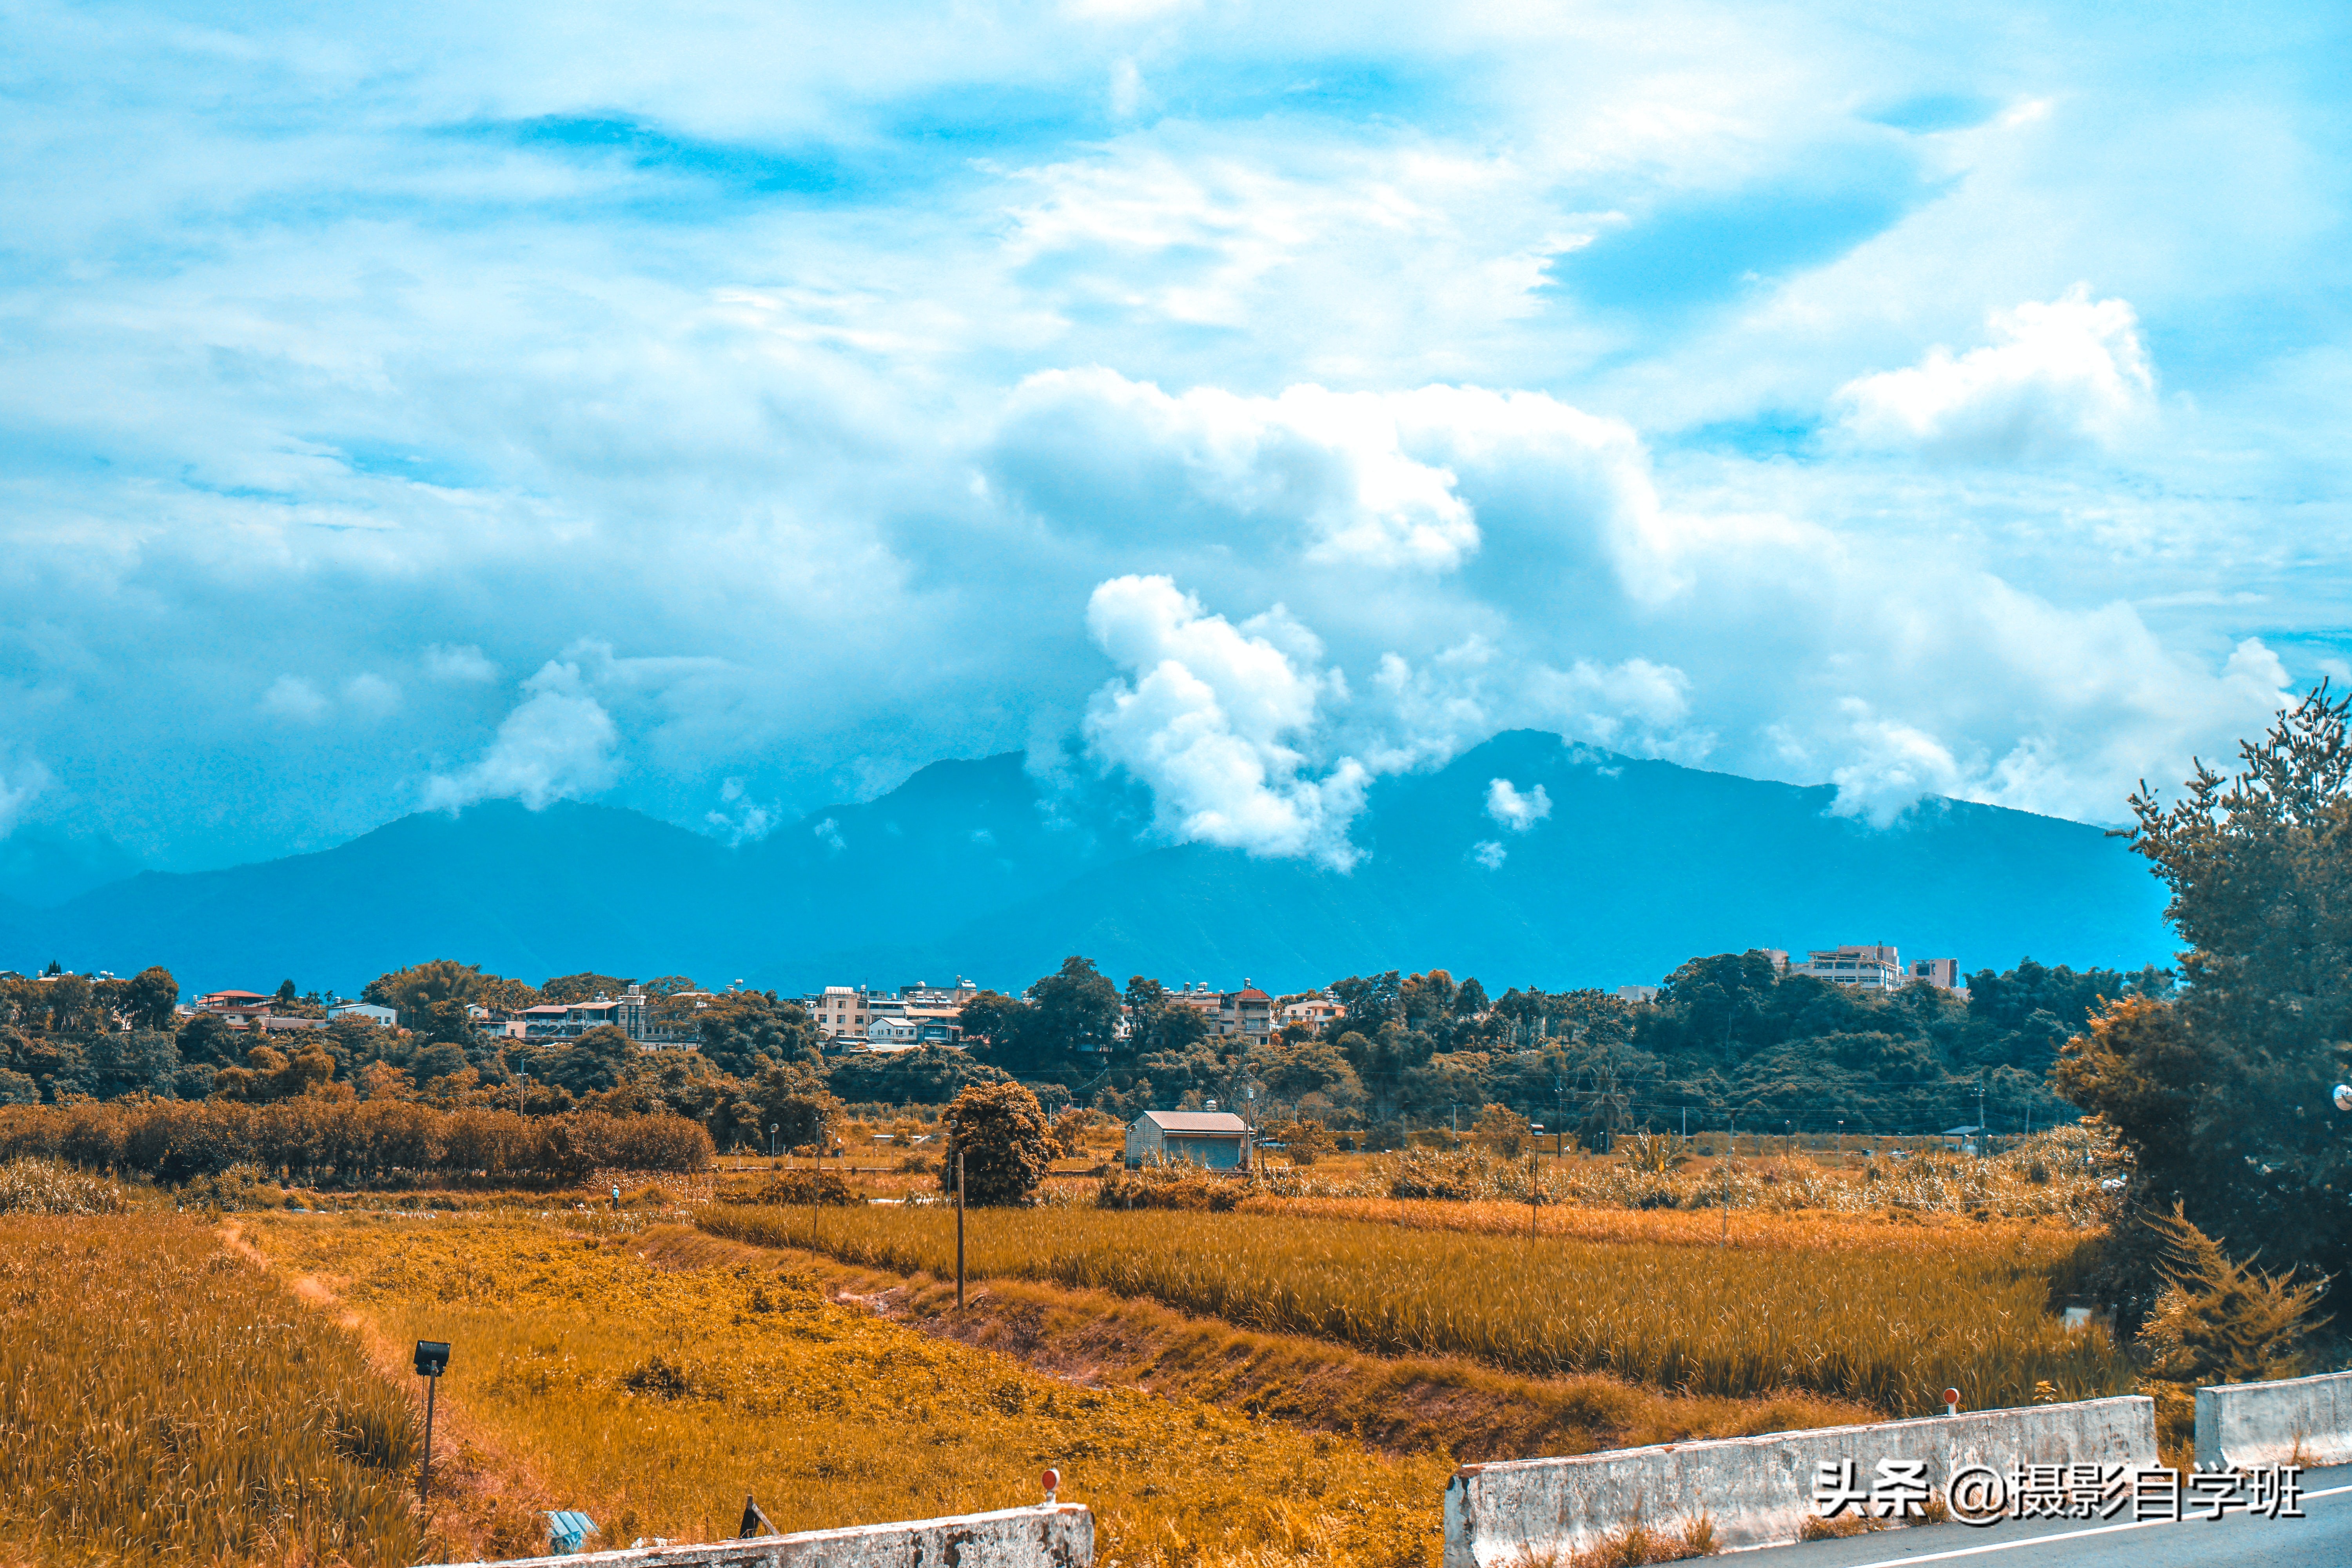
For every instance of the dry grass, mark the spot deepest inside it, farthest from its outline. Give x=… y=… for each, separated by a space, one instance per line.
x=655 y=1398
x=161 y=1400
x=1890 y=1328
x=1401 y=1404
x=30 y=1186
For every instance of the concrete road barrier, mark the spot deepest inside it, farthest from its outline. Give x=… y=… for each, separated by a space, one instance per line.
x=1058 y=1535
x=1758 y=1491
x=2242 y=1425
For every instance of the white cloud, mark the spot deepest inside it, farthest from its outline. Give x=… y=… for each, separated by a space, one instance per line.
x=828 y=833
x=2063 y=377
x=292 y=697
x=1517 y=811
x=18 y=784
x=1490 y=854
x=370 y=696
x=739 y=819
x=559 y=744
x=459 y=666
x=1207 y=721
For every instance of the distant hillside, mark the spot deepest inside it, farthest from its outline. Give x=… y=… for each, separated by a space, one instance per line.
x=967 y=868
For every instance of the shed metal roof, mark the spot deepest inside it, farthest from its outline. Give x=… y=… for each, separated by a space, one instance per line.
x=1197 y=1121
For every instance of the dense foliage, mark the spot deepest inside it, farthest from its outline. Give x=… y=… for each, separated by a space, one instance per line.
x=1728 y=1036
x=2223 y=1093
x=321 y=1141
x=997 y=1134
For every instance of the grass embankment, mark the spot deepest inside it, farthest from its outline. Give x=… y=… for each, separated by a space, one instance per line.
x=161 y=1400
x=655 y=1398
x=1891 y=1328
x=1401 y=1404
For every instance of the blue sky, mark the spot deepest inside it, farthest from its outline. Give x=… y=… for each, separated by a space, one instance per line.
x=725 y=411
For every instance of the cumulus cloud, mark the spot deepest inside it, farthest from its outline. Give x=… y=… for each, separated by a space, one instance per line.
x=1517 y=811
x=739 y=819
x=292 y=697
x=462 y=665
x=1490 y=854
x=559 y=744
x=370 y=696
x=2060 y=377
x=1208 y=718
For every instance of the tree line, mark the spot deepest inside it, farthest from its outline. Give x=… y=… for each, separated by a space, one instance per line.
x=1730 y=1038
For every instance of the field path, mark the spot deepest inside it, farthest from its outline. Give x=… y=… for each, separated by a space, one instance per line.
x=483 y=1498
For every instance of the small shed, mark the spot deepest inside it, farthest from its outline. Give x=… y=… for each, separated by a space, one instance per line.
x=1214 y=1140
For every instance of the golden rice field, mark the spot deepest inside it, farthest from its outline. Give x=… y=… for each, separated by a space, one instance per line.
x=163 y=1400
x=1893 y=1327
x=655 y=1398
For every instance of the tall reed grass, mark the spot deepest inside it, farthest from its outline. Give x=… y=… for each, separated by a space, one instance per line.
x=163 y=1401
x=1891 y=1330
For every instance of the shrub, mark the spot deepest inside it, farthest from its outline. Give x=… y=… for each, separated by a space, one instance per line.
x=801 y=1188
x=1303 y=1142
x=2218 y=1321
x=1168 y=1187
x=239 y=1189
x=1000 y=1130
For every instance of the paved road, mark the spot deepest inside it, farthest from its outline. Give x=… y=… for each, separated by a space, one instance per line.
x=2322 y=1540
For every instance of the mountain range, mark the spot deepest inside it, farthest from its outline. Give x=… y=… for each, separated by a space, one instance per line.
x=972 y=867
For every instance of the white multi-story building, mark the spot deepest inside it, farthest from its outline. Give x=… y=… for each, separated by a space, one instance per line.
x=1876 y=966
x=570 y=1020
x=1873 y=966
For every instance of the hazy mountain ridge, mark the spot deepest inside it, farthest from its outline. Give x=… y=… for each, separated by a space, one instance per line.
x=967 y=868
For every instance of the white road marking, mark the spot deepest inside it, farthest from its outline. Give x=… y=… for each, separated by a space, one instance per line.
x=2047 y=1540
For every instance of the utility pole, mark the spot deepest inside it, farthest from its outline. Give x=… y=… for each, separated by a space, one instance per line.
x=1731 y=1141
x=959 y=1231
x=1981 y=1126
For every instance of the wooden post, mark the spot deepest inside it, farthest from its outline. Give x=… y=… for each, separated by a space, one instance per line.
x=959 y=1231
x=1532 y=1168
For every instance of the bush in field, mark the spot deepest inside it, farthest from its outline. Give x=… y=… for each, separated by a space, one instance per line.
x=801 y=1188
x=1000 y=1130
x=51 y=1186
x=238 y=1189
x=1303 y=1142
x=1183 y=1186
x=1501 y=1129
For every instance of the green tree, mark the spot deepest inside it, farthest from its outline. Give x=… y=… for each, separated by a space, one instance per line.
x=929 y=1075
x=792 y=1098
x=1001 y=1132
x=2233 y=1120
x=743 y=1031
x=270 y=1074
x=599 y=1059
x=206 y=1039
x=995 y=1026
x=585 y=986
x=149 y=999
x=430 y=998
